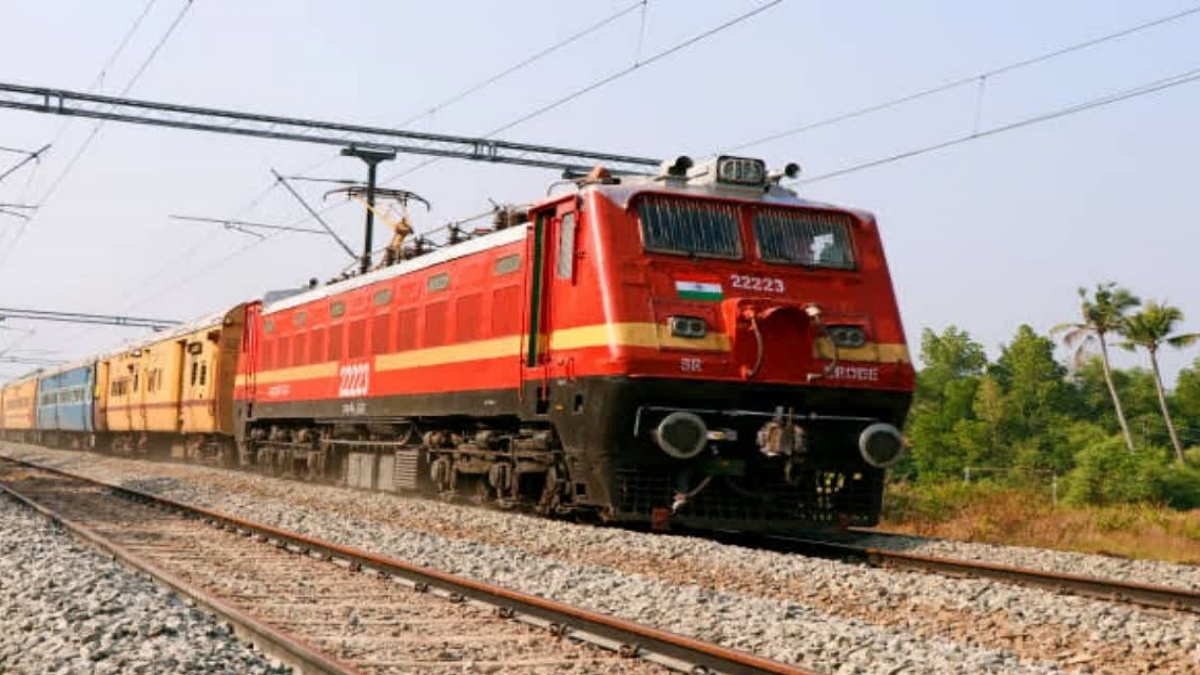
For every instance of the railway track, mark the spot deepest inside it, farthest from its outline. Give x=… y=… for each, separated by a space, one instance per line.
x=324 y=608
x=842 y=547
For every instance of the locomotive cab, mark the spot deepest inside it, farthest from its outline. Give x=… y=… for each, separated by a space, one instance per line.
x=717 y=351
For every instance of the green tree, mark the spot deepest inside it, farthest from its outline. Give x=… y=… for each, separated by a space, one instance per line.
x=1037 y=400
x=944 y=440
x=1149 y=329
x=1103 y=313
x=1034 y=383
x=1186 y=399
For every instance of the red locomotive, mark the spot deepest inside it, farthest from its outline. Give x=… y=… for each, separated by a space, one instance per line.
x=700 y=345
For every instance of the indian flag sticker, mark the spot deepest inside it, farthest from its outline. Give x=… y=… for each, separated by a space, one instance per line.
x=696 y=289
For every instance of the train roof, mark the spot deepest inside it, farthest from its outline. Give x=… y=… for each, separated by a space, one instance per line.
x=620 y=193
x=461 y=250
x=623 y=193
x=207 y=321
x=66 y=367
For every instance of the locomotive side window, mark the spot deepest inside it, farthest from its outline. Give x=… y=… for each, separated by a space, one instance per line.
x=508 y=264
x=439 y=282
x=809 y=238
x=565 y=264
x=689 y=227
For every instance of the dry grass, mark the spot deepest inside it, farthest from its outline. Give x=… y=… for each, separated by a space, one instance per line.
x=1015 y=517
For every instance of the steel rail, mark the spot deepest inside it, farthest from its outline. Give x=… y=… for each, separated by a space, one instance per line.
x=1148 y=595
x=628 y=638
x=277 y=644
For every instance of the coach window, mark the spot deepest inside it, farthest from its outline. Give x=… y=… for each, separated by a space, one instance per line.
x=337 y=309
x=299 y=319
x=203 y=374
x=195 y=368
x=383 y=296
x=565 y=265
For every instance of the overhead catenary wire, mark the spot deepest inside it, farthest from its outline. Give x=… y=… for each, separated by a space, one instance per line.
x=1158 y=85
x=5 y=252
x=83 y=148
x=108 y=63
x=973 y=79
x=640 y=4
x=612 y=77
x=467 y=92
x=451 y=100
x=31 y=157
x=608 y=79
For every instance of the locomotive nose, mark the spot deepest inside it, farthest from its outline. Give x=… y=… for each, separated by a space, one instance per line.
x=681 y=435
x=881 y=445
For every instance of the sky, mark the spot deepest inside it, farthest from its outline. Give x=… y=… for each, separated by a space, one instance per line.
x=985 y=235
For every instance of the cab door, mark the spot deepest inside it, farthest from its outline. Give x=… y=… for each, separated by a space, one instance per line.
x=552 y=278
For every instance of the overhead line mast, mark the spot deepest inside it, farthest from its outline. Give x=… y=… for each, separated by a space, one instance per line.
x=78 y=104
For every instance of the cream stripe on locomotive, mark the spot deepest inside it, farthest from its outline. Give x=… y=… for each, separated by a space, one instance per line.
x=646 y=335
x=871 y=352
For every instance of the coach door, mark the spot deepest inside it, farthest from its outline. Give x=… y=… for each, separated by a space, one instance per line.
x=552 y=252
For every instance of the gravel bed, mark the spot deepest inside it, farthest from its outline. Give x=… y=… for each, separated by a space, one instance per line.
x=1154 y=572
x=835 y=617
x=68 y=609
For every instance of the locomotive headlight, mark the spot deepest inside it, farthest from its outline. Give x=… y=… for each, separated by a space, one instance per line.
x=881 y=445
x=848 y=336
x=688 y=326
x=681 y=435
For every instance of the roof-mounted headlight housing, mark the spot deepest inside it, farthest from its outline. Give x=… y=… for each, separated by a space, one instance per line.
x=741 y=171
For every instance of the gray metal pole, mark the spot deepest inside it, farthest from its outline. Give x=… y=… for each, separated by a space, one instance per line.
x=366 y=254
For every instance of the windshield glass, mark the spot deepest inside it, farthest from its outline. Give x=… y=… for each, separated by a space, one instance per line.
x=810 y=238
x=689 y=227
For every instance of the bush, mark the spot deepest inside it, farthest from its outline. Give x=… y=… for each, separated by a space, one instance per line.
x=1179 y=486
x=1107 y=473
x=929 y=502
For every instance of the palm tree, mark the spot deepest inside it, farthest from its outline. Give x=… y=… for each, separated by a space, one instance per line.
x=1103 y=313
x=1150 y=329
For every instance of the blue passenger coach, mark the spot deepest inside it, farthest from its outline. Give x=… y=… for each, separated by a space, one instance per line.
x=65 y=402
